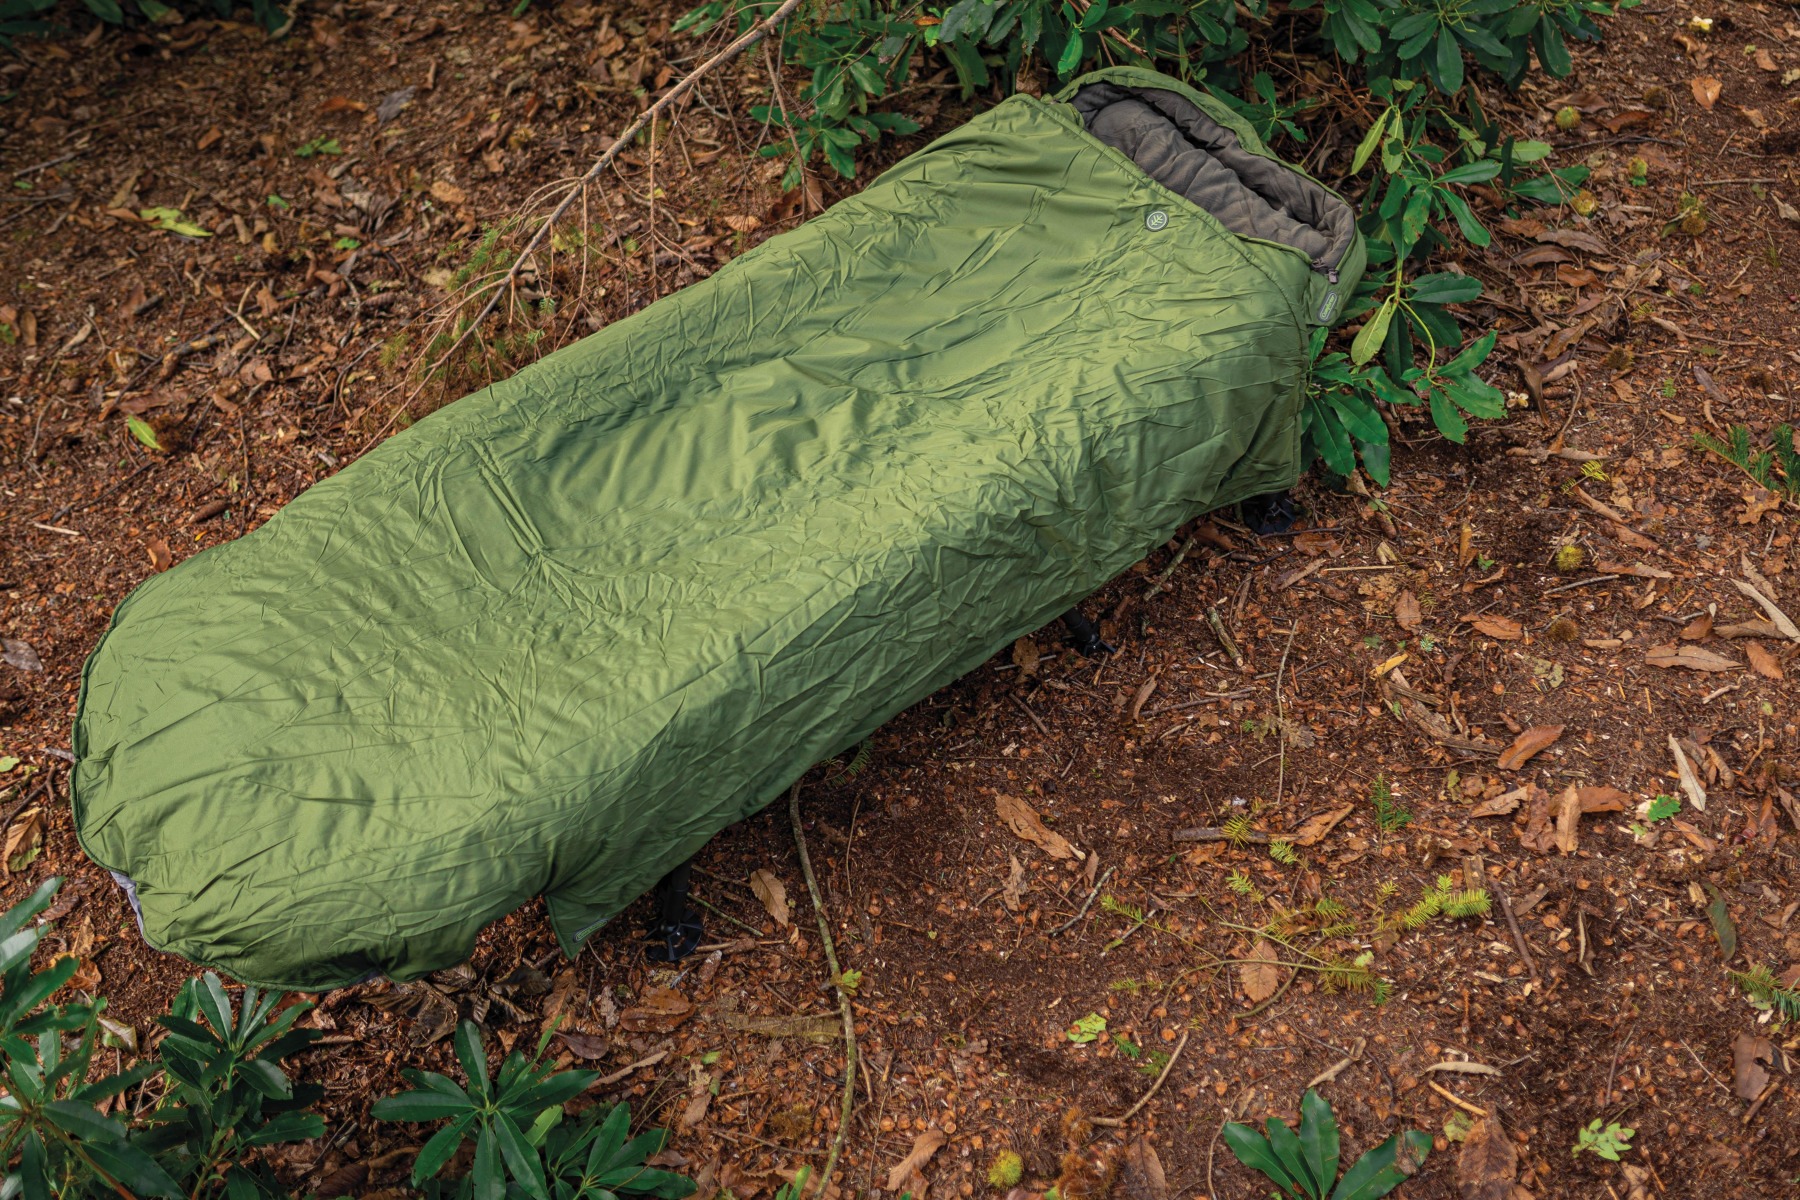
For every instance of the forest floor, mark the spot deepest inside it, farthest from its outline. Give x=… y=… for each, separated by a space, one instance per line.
x=1380 y=677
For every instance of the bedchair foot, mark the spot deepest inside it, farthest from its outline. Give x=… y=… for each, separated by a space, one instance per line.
x=1084 y=635
x=1273 y=513
x=677 y=929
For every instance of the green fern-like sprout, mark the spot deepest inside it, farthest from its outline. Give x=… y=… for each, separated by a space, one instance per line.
x=859 y=762
x=1237 y=830
x=1328 y=909
x=1283 y=853
x=1355 y=975
x=1777 y=468
x=1761 y=984
x=1121 y=908
x=1470 y=902
x=1239 y=882
x=1389 y=817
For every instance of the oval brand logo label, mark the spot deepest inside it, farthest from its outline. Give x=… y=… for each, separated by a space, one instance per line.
x=1156 y=220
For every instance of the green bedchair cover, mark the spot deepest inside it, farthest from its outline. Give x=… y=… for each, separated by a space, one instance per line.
x=557 y=635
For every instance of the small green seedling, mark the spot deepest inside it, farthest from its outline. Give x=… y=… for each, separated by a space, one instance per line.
x=1305 y=1164
x=1608 y=1142
x=1389 y=816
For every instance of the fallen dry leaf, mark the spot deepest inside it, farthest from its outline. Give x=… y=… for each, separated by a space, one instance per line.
x=448 y=192
x=1144 y=1172
x=1602 y=799
x=160 y=557
x=1499 y=806
x=23 y=841
x=1025 y=656
x=585 y=1046
x=1762 y=662
x=1488 y=1164
x=1699 y=629
x=1568 y=820
x=1261 y=978
x=1012 y=894
x=1706 y=90
x=661 y=1010
x=773 y=894
x=1748 y=1053
x=1690 y=782
x=1316 y=827
x=923 y=1147
x=1765 y=61
x=1692 y=658
x=1023 y=820
x=1778 y=618
x=1533 y=741
x=1407 y=611
x=1503 y=629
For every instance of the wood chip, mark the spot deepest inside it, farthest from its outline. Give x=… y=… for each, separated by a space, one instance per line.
x=1463 y=1068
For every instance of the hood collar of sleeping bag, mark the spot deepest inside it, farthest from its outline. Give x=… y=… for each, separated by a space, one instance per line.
x=1337 y=267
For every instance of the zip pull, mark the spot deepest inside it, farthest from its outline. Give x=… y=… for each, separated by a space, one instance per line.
x=1332 y=275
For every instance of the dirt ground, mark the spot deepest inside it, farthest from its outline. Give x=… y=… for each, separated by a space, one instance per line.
x=1263 y=688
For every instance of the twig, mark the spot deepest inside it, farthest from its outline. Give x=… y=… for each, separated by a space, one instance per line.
x=743 y=42
x=1579 y=583
x=1213 y=833
x=1218 y=627
x=1457 y=1100
x=1085 y=905
x=1162 y=580
x=1026 y=709
x=1281 y=714
x=1774 y=1086
x=1115 y=1122
x=837 y=972
x=1209 y=698
x=1212 y=1191
x=1518 y=935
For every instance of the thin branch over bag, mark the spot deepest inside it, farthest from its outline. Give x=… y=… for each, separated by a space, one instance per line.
x=744 y=41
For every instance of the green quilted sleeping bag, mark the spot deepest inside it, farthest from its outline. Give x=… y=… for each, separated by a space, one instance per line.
x=557 y=635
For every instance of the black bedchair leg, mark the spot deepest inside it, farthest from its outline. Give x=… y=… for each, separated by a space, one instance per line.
x=1084 y=635
x=1273 y=513
x=677 y=930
